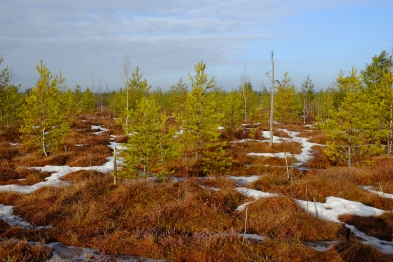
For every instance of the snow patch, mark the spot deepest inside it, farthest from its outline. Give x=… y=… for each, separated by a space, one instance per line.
x=379 y=193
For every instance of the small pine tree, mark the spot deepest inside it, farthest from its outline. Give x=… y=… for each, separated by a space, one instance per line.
x=10 y=100
x=45 y=120
x=200 y=121
x=286 y=105
x=354 y=127
x=150 y=143
x=88 y=103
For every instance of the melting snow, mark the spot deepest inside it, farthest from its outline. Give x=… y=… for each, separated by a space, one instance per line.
x=379 y=193
x=6 y=214
x=100 y=128
x=244 y=180
x=330 y=211
x=302 y=158
x=335 y=206
x=60 y=171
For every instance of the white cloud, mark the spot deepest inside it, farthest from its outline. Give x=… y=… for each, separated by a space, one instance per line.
x=87 y=39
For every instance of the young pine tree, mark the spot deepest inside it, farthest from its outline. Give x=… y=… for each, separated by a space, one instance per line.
x=200 y=122
x=45 y=121
x=354 y=127
x=10 y=100
x=150 y=144
x=286 y=105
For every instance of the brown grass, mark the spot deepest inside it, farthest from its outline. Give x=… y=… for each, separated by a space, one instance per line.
x=281 y=218
x=339 y=182
x=16 y=250
x=380 y=227
x=188 y=221
x=320 y=160
x=359 y=252
x=92 y=210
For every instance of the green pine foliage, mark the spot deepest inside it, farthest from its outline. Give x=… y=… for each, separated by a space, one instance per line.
x=378 y=80
x=287 y=108
x=324 y=105
x=233 y=111
x=261 y=113
x=354 y=127
x=10 y=100
x=45 y=117
x=308 y=94
x=88 y=102
x=151 y=143
x=200 y=121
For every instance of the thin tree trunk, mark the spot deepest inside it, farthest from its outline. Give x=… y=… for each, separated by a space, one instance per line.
x=114 y=167
x=272 y=106
x=43 y=142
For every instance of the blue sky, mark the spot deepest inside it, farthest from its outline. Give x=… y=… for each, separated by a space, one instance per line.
x=87 y=40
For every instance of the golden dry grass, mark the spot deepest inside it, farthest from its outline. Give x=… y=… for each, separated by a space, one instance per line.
x=21 y=251
x=319 y=184
x=281 y=218
x=187 y=221
x=380 y=227
x=359 y=252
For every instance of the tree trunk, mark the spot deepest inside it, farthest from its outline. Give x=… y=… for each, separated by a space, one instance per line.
x=43 y=142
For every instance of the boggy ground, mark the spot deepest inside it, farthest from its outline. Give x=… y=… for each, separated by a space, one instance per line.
x=189 y=220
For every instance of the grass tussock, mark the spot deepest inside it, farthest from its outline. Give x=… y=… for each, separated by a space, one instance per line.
x=380 y=227
x=193 y=220
x=320 y=160
x=319 y=184
x=281 y=218
x=144 y=213
x=293 y=249
x=21 y=251
x=359 y=252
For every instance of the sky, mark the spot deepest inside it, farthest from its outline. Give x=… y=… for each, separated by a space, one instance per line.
x=88 y=40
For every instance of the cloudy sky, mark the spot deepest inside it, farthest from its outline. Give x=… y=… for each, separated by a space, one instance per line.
x=87 y=40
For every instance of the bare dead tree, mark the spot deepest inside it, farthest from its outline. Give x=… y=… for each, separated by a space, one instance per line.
x=125 y=79
x=244 y=88
x=271 y=102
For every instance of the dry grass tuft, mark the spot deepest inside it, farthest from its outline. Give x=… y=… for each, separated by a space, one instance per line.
x=281 y=218
x=293 y=249
x=380 y=227
x=3 y=226
x=42 y=235
x=320 y=160
x=359 y=252
x=319 y=184
x=16 y=250
x=81 y=175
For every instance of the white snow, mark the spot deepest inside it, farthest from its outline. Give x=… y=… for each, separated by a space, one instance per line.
x=321 y=245
x=6 y=214
x=251 y=193
x=244 y=180
x=335 y=206
x=301 y=158
x=102 y=129
x=384 y=246
x=60 y=171
x=379 y=193
x=330 y=211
